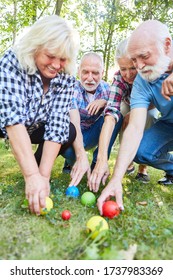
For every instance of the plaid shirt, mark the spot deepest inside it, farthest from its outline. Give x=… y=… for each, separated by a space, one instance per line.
x=120 y=91
x=80 y=101
x=22 y=100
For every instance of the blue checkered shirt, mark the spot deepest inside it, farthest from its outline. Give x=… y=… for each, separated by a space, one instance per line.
x=80 y=101
x=22 y=100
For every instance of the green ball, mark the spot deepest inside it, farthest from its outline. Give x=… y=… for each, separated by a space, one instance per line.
x=88 y=199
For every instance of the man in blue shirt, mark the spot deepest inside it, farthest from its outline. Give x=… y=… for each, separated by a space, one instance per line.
x=150 y=48
x=89 y=100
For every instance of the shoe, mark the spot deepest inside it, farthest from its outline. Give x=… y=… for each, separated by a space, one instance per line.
x=67 y=168
x=167 y=180
x=144 y=178
x=130 y=171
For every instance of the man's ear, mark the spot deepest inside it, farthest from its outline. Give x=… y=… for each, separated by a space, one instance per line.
x=167 y=45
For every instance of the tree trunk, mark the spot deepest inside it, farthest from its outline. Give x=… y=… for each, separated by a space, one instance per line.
x=34 y=9
x=14 y=18
x=58 y=6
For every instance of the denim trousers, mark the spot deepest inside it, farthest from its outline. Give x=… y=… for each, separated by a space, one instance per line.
x=152 y=116
x=155 y=147
x=91 y=140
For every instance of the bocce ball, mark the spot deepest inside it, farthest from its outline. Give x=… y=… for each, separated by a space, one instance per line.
x=88 y=199
x=49 y=206
x=72 y=191
x=96 y=225
x=66 y=215
x=110 y=209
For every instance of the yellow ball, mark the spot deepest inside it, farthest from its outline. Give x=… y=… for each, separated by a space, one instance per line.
x=49 y=206
x=96 y=225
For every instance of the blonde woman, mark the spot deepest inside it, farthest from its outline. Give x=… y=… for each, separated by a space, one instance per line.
x=36 y=86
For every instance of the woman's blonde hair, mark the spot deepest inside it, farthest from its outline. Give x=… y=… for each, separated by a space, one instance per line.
x=52 y=33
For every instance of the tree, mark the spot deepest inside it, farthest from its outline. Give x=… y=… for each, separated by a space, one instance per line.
x=101 y=23
x=58 y=6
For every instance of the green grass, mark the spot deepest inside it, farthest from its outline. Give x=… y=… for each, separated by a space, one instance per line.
x=27 y=237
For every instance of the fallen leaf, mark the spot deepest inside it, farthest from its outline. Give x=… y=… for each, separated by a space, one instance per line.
x=130 y=253
x=160 y=203
x=143 y=203
x=128 y=192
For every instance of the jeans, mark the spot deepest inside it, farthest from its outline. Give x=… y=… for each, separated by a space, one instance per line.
x=91 y=140
x=155 y=147
x=152 y=116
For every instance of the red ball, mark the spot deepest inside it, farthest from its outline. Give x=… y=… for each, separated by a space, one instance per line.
x=66 y=215
x=110 y=209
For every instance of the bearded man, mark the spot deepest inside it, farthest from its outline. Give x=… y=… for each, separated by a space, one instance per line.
x=150 y=48
x=89 y=100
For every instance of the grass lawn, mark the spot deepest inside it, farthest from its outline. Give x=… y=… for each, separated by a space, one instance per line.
x=141 y=232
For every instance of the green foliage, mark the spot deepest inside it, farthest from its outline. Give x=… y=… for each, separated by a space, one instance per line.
x=25 y=236
x=101 y=23
x=160 y=10
x=16 y=15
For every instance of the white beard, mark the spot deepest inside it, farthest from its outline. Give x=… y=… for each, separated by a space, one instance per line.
x=91 y=87
x=157 y=70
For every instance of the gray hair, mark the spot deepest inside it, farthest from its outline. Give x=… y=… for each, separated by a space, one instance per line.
x=121 y=50
x=52 y=33
x=92 y=54
x=156 y=30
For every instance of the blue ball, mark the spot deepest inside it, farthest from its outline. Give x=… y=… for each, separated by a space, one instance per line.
x=72 y=191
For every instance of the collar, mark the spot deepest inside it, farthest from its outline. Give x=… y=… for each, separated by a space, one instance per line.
x=162 y=77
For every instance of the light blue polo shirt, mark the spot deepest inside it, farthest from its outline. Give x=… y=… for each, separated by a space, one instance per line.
x=143 y=93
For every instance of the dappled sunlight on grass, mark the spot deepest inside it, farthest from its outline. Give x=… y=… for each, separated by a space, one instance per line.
x=166 y=189
x=146 y=222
